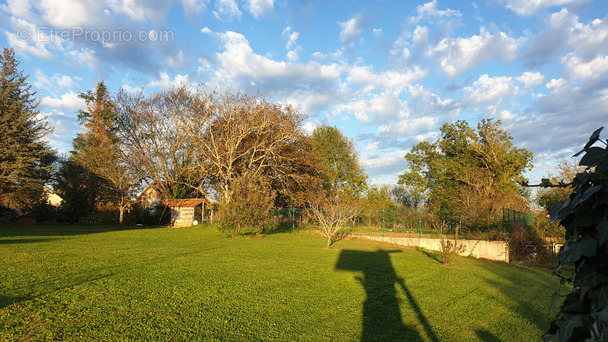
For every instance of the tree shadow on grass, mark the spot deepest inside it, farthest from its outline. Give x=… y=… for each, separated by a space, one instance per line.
x=512 y=280
x=431 y=254
x=486 y=336
x=382 y=320
x=6 y=300
x=45 y=230
x=24 y=240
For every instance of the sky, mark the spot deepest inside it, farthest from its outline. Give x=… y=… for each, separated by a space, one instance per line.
x=389 y=74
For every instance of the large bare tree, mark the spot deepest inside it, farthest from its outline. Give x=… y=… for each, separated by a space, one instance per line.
x=206 y=140
x=156 y=135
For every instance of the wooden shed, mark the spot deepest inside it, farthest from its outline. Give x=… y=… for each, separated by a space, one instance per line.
x=185 y=211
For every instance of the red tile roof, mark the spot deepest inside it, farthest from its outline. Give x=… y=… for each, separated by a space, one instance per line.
x=183 y=203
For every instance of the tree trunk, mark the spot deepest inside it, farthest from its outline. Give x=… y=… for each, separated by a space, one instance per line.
x=329 y=240
x=120 y=216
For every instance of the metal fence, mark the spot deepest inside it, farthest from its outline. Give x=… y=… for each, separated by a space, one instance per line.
x=492 y=226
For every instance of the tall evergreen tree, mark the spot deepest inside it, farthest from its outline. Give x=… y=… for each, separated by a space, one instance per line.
x=98 y=149
x=26 y=160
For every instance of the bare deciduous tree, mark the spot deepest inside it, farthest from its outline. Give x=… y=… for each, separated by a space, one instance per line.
x=333 y=213
x=156 y=134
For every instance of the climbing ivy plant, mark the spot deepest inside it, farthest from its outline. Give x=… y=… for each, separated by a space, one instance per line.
x=583 y=315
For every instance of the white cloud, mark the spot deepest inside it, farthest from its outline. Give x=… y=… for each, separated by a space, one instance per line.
x=578 y=68
x=227 y=10
x=429 y=11
x=351 y=29
x=490 y=90
x=194 y=6
x=165 y=82
x=460 y=54
x=377 y=33
x=67 y=14
x=409 y=126
x=260 y=8
x=69 y=102
x=61 y=81
x=240 y=67
x=384 y=106
x=177 y=60
x=290 y=36
x=386 y=166
x=530 y=79
x=529 y=7
x=395 y=81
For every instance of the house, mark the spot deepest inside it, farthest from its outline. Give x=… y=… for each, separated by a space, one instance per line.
x=51 y=197
x=187 y=212
x=150 y=197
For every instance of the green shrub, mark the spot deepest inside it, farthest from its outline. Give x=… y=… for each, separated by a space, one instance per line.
x=248 y=209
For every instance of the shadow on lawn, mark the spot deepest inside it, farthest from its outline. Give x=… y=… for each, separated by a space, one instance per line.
x=44 y=230
x=381 y=313
x=522 y=285
x=6 y=301
x=23 y=240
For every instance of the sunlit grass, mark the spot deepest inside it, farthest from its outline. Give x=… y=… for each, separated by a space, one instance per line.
x=95 y=283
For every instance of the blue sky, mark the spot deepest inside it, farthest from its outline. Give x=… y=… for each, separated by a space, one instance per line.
x=388 y=73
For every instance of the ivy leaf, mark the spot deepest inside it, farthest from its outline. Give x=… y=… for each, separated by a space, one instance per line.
x=595 y=136
x=554 y=299
x=566 y=324
x=602 y=232
x=600 y=294
x=593 y=156
x=590 y=191
x=589 y=277
x=572 y=304
x=575 y=249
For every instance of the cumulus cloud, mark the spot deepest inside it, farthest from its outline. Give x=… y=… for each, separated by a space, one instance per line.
x=459 y=54
x=165 y=82
x=429 y=11
x=69 y=102
x=352 y=29
x=238 y=67
x=227 y=10
x=529 y=7
x=490 y=90
x=260 y=8
x=194 y=6
x=394 y=80
x=530 y=79
x=578 y=68
x=44 y=82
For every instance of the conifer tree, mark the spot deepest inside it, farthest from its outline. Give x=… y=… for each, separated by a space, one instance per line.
x=26 y=160
x=98 y=149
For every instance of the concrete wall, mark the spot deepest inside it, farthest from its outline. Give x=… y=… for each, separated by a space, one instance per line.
x=491 y=250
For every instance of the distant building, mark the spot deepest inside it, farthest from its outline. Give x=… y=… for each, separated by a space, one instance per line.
x=52 y=198
x=150 y=197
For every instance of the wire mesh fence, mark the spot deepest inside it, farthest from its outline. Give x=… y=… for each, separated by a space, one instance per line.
x=414 y=221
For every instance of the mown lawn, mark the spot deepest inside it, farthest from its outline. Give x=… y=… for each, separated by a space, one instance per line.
x=96 y=283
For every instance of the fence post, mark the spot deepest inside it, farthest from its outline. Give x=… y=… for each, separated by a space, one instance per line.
x=460 y=219
x=293 y=218
x=382 y=221
x=419 y=217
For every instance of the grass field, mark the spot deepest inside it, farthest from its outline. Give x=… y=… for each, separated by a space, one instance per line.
x=95 y=283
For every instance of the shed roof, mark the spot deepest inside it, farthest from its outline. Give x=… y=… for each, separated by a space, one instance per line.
x=183 y=203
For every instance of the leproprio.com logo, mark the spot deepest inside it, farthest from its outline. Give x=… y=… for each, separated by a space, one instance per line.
x=27 y=33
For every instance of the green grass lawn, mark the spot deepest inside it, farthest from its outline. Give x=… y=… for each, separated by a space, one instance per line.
x=96 y=283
